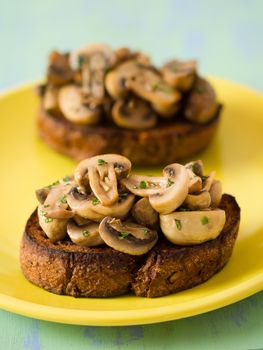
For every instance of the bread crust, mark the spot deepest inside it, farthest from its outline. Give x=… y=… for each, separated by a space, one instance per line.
x=168 y=142
x=65 y=268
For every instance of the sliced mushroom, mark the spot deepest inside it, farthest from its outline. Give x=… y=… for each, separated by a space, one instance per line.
x=144 y=214
x=56 y=205
x=201 y=104
x=196 y=166
x=150 y=86
x=198 y=201
x=71 y=104
x=84 y=235
x=195 y=182
x=50 y=100
x=102 y=172
x=89 y=207
x=193 y=227
x=144 y=186
x=170 y=198
x=215 y=193
x=208 y=180
x=133 y=113
x=115 y=80
x=180 y=75
x=165 y=193
x=59 y=72
x=101 y=56
x=124 y=54
x=166 y=111
x=195 y=173
x=129 y=238
x=55 y=229
x=42 y=194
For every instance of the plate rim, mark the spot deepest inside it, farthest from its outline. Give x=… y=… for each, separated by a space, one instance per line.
x=222 y=298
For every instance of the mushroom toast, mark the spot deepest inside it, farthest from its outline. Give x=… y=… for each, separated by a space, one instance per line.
x=104 y=231
x=98 y=100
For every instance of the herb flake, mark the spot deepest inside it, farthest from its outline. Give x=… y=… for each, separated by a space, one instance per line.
x=204 y=220
x=95 y=201
x=145 y=231
x=123 y=235
x=143 y=184
x=63 y=199
x=85 y=233
x=101 y=162
x=66 y=178
x=169 y=183
x=48 y=220
x=56 y=183
x=178 y=224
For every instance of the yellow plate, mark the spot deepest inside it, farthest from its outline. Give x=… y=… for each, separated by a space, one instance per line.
x=26 y=164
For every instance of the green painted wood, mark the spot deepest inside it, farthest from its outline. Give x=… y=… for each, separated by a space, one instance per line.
x=226 y=38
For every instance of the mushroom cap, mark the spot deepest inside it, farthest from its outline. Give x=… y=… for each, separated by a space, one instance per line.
x=55 y=229
x=94 y=50
x=180 y=75
x=129 y=238
x=201 y=104
x=198 y=201
x=144 y=214
x=115 y=80
x=85 y=235
x=88 y=206
x=150 y=86
x=144 y=186
x=170 y=198
x=215 y=193
x=193 y=227
x=101 y=173
x=133 y=113
x=71 y=104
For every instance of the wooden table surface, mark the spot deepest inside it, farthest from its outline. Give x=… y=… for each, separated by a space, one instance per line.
x=226 y=38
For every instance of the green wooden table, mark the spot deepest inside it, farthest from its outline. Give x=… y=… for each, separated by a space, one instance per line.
x=226 y=38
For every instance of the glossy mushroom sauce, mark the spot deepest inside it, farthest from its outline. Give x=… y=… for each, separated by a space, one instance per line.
x=104 y=203
x=96 y=85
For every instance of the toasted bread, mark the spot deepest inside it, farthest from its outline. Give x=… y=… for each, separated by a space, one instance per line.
x=168 y=142
x=65 y=268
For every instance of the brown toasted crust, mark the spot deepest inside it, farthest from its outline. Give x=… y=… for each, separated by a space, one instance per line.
x=65 y=268
x=168 y=142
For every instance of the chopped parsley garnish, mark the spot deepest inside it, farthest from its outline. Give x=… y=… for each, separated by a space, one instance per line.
x=145 y=231
x=123 y=195
x=43 y=212
x=95 y=201
x=66 y=178
x=123 y=235
x=161 y=87
x=204 y=220
x=101 y=162
x=183 y=209
x=48 y=220
x=178 y=224
x=54 y=184
x=169 y=183
x=143 y=184
x=85 y=233
x=46 y=205
x=63 y=199
x=81 y=60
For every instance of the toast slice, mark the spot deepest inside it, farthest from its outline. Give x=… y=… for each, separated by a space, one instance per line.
x=65 y=268
x=168 y=142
